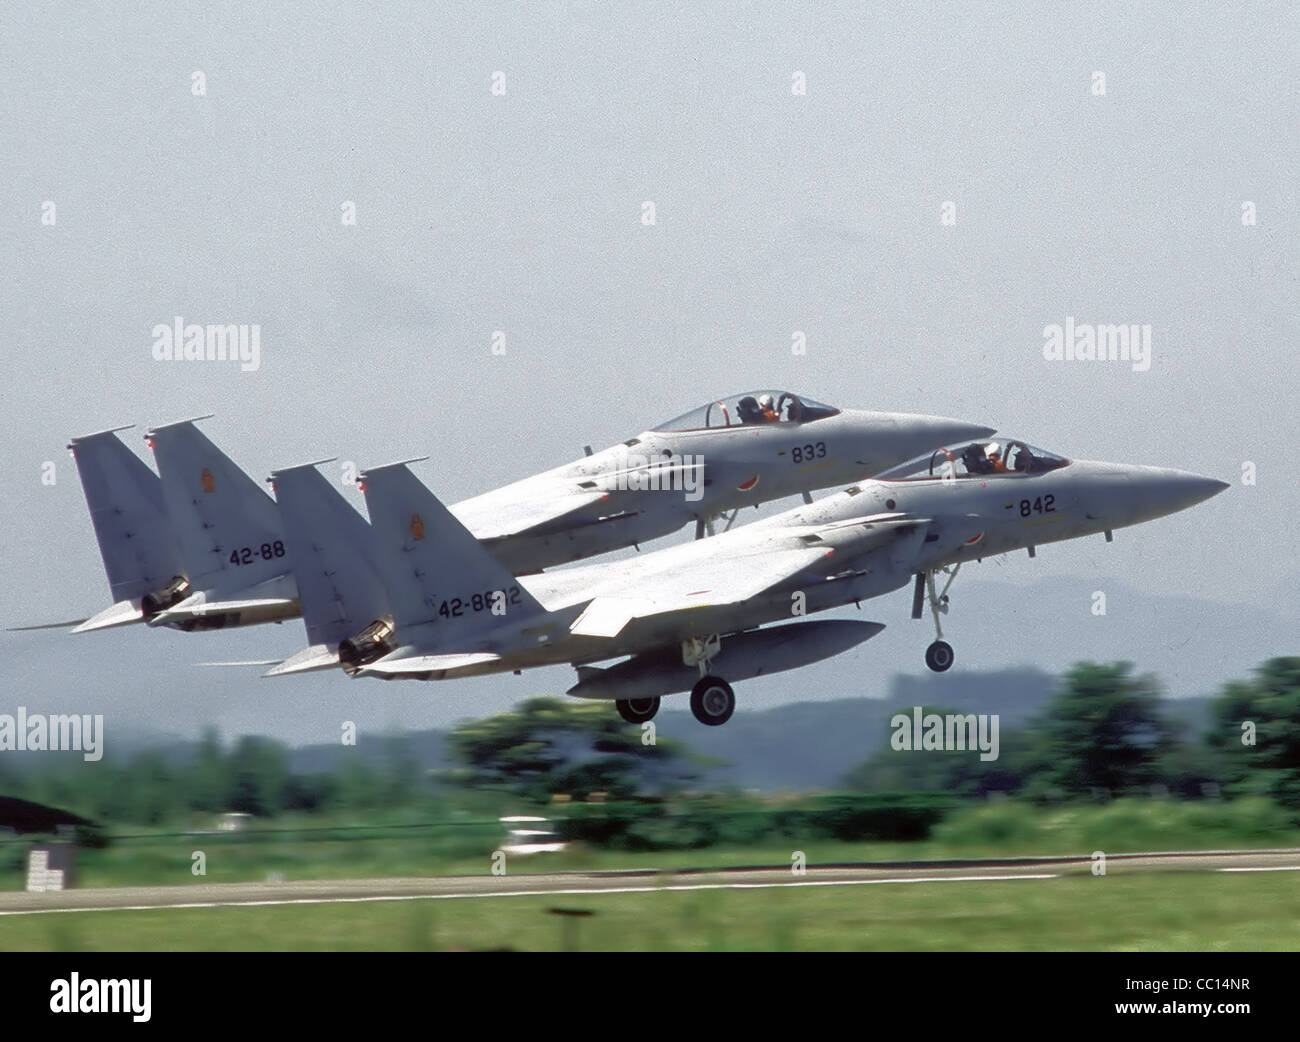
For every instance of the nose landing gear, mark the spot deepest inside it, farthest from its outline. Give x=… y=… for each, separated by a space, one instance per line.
x=939 y=656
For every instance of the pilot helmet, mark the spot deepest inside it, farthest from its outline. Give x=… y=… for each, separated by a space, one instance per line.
x=992 y=450
x=765 y=400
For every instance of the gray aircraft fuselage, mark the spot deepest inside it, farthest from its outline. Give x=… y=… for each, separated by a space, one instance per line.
x=647 y=487
x=732 y=465
x=875 y=538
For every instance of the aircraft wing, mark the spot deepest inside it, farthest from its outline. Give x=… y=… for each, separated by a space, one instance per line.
x=548 y=500
x=495 y=516
x=708 y=582
x=718 y=580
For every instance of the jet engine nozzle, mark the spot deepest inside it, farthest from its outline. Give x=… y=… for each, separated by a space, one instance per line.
x=370 y=644
x=157 y=602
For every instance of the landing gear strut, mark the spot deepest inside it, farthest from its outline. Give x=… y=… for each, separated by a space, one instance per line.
x=637 y=710
x=704 y=525
x=939 y=655
x=712 y=699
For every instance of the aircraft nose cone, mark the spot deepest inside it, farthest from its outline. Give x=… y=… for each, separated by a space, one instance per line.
x=923 y=433
x=1169 y=491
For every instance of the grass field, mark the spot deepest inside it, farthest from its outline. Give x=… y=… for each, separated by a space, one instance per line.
x=305 y=850
x=1151 y=912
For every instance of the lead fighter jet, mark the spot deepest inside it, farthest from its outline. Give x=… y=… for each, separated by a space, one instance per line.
x=202 y=547
x=686 y=617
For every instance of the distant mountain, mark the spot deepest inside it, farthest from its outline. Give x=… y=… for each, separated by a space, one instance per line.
x=812 y=745
x=794 y=747
x=805 y=745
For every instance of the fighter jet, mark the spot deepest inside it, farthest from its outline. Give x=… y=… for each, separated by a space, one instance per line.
x=709 y=463
x=203 y=533
x=217 y=554
x=686 y=618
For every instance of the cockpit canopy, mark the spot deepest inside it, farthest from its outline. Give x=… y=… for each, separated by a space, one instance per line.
x=750 y=407
x=979 y=459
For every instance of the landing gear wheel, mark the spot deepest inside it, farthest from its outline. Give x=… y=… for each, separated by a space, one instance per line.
x=637 y=710
x=712 y=701
x=939 y=656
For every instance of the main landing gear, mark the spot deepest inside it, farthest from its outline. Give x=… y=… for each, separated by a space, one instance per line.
x=637 y=710
x=939 y=655
x=712 y=699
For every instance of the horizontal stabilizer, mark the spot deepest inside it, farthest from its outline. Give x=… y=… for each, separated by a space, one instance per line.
x=45 y=626
x=309 y=660
x=123 y=613
x=245 y=662
x=199 y=605
x=419 y=664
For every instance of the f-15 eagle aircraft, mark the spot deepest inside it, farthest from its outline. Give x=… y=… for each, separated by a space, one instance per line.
x=686 y=617
x=201 y=546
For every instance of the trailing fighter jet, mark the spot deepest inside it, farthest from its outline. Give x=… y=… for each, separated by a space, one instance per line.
x=728 y=454
x=137 y=543
x=217 y=554
x=686 y=617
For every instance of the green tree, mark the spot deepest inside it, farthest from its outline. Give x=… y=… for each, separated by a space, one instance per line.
x=208 y=779
x=551 y=746
x=1103 y=731
x=401 y=771
x=259 y=775
x=154 y=797
x=1255 y=731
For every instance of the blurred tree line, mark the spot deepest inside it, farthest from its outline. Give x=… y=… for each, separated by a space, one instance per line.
x=1106 y=733
x=251 y=776
x=548 y=746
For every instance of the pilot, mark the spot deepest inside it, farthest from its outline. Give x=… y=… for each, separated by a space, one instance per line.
x=748 y=410
x=975 y=461
x=767 y=406
x=993 y=453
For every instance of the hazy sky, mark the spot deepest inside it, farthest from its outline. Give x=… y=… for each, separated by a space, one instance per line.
x=775 y=212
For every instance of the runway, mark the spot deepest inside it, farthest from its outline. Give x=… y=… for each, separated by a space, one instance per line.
x=558 y=884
